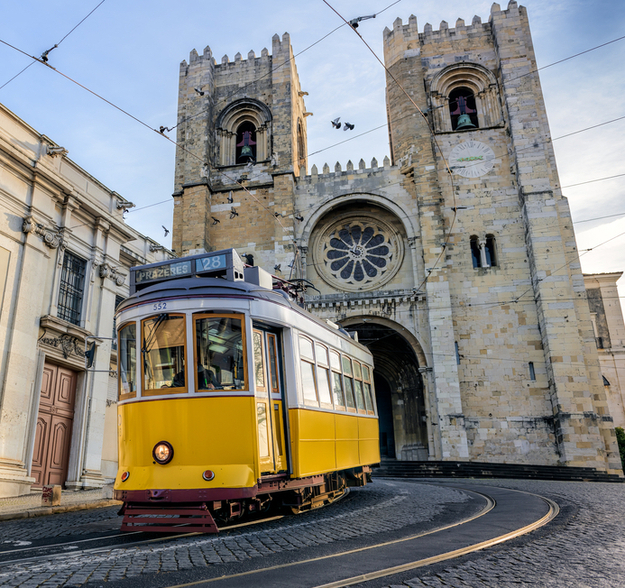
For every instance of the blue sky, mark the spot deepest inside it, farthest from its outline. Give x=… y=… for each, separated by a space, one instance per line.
x=130 y=52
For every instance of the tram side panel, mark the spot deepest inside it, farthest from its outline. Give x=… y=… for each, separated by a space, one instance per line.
x=216 y=433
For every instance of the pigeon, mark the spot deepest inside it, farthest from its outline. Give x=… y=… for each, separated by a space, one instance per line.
x=166 y=230
x=199 y=91
x=347 y=126
x=335 y=123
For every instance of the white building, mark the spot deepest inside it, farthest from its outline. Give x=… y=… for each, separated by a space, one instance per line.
x=65 y=251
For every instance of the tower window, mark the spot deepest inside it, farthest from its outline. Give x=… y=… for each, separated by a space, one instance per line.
x=463 y=110
x=532 y=371
x=489 y=251
x=475 y=252
x=483 y=251
x=246 y=143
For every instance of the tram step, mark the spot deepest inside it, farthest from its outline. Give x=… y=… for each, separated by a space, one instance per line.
x=175 y=519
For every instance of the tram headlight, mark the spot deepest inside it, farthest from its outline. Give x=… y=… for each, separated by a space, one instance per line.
x=163 y=452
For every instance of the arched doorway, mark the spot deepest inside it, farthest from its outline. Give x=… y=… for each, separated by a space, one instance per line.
x=399 y=391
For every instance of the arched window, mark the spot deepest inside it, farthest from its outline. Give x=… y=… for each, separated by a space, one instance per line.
x=475 y=252
x=467 y=87
x=483 y=252
x=244 y=132
x=489 y=251
x=462 y=109
x=246 y=143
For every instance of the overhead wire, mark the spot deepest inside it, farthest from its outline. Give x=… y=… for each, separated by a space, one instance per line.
x=351 y=138
x=55 y=45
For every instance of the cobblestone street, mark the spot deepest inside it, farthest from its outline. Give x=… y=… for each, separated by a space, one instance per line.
x=588 y=550
x=583 y=547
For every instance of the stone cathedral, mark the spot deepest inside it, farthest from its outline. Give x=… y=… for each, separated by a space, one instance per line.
x=455 y=261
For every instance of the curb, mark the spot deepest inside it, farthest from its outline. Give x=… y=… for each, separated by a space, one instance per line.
x=50 y=510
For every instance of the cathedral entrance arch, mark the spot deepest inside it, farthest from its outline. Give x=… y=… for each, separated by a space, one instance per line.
x=400 y=393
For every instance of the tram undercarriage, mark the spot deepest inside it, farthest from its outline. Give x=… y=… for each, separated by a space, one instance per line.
x=163 y=511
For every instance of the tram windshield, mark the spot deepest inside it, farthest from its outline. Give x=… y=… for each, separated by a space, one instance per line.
x=163 y=350
x=219 y=353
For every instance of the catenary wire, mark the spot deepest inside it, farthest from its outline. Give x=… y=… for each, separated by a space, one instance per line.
x=56 y=45
x=141 y=122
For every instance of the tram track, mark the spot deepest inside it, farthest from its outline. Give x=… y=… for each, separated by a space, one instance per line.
x=53 y=549
x=300 y=572
x=45 y=552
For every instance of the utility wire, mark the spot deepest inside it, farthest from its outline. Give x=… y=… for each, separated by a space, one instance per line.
x=55 y=46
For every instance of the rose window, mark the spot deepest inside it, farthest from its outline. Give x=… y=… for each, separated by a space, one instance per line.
x=358 y=253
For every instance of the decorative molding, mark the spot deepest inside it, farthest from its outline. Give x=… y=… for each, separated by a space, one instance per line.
x=52 y=238
x=106 y=270
x=67 y=343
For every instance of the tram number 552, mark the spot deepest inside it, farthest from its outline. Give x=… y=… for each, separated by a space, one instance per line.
x=160 y=306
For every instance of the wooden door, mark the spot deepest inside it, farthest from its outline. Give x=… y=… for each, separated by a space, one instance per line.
x=54 y=426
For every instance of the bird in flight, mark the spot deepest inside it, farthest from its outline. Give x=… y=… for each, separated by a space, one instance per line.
x=166 y=230
x=335 y=123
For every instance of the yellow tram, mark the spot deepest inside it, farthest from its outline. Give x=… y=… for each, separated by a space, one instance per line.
x=233 y=398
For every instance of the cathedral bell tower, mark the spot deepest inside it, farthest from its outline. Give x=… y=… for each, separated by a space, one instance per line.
x=241 y=138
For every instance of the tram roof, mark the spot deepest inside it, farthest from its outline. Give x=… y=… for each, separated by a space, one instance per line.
x=219 y=287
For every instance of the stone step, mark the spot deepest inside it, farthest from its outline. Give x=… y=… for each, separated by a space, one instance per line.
x=459 y=469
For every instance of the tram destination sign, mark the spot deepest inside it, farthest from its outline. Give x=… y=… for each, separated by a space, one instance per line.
x=225 y=263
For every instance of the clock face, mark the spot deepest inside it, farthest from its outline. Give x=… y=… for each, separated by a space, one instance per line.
x=471 y=159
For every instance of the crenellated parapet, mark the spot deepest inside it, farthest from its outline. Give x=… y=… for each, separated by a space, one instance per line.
x=404 y=40
x=338 y=172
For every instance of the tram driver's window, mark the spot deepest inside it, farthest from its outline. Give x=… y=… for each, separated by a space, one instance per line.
x=163 y=354
x=219 y=353
x=127 y=345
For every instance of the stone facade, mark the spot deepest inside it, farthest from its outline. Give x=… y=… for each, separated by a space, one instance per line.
x=455 y=261
x=609 y=329
x=65 y=254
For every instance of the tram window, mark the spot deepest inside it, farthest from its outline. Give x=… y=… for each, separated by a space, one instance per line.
x=163 y=351
x=349 y=383
x=323 y=376
x=307 y=368
x=219 y=353
x=273 y=360
x=259 y=362
x=337 y=383
x=127 y=342
x=308 y=383
x=306 y=348
x=366 y=385
x=360 y=402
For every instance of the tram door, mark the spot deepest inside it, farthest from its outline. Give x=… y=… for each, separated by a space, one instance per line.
x=269 y=402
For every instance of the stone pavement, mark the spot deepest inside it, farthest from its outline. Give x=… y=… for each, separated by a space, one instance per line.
x=584 y=547
x=29 y=505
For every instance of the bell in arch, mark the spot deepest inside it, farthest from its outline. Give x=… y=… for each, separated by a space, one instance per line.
x=460 y=98
x=246 y=146
x=464 y=122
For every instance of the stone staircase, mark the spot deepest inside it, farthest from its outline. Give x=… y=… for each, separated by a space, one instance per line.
x=463 y=469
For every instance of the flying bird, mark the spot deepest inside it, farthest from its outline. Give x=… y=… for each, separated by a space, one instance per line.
x=335 y=123
x=199 y=91
x=215 y=220
x=347 y=126
x=166 y=230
